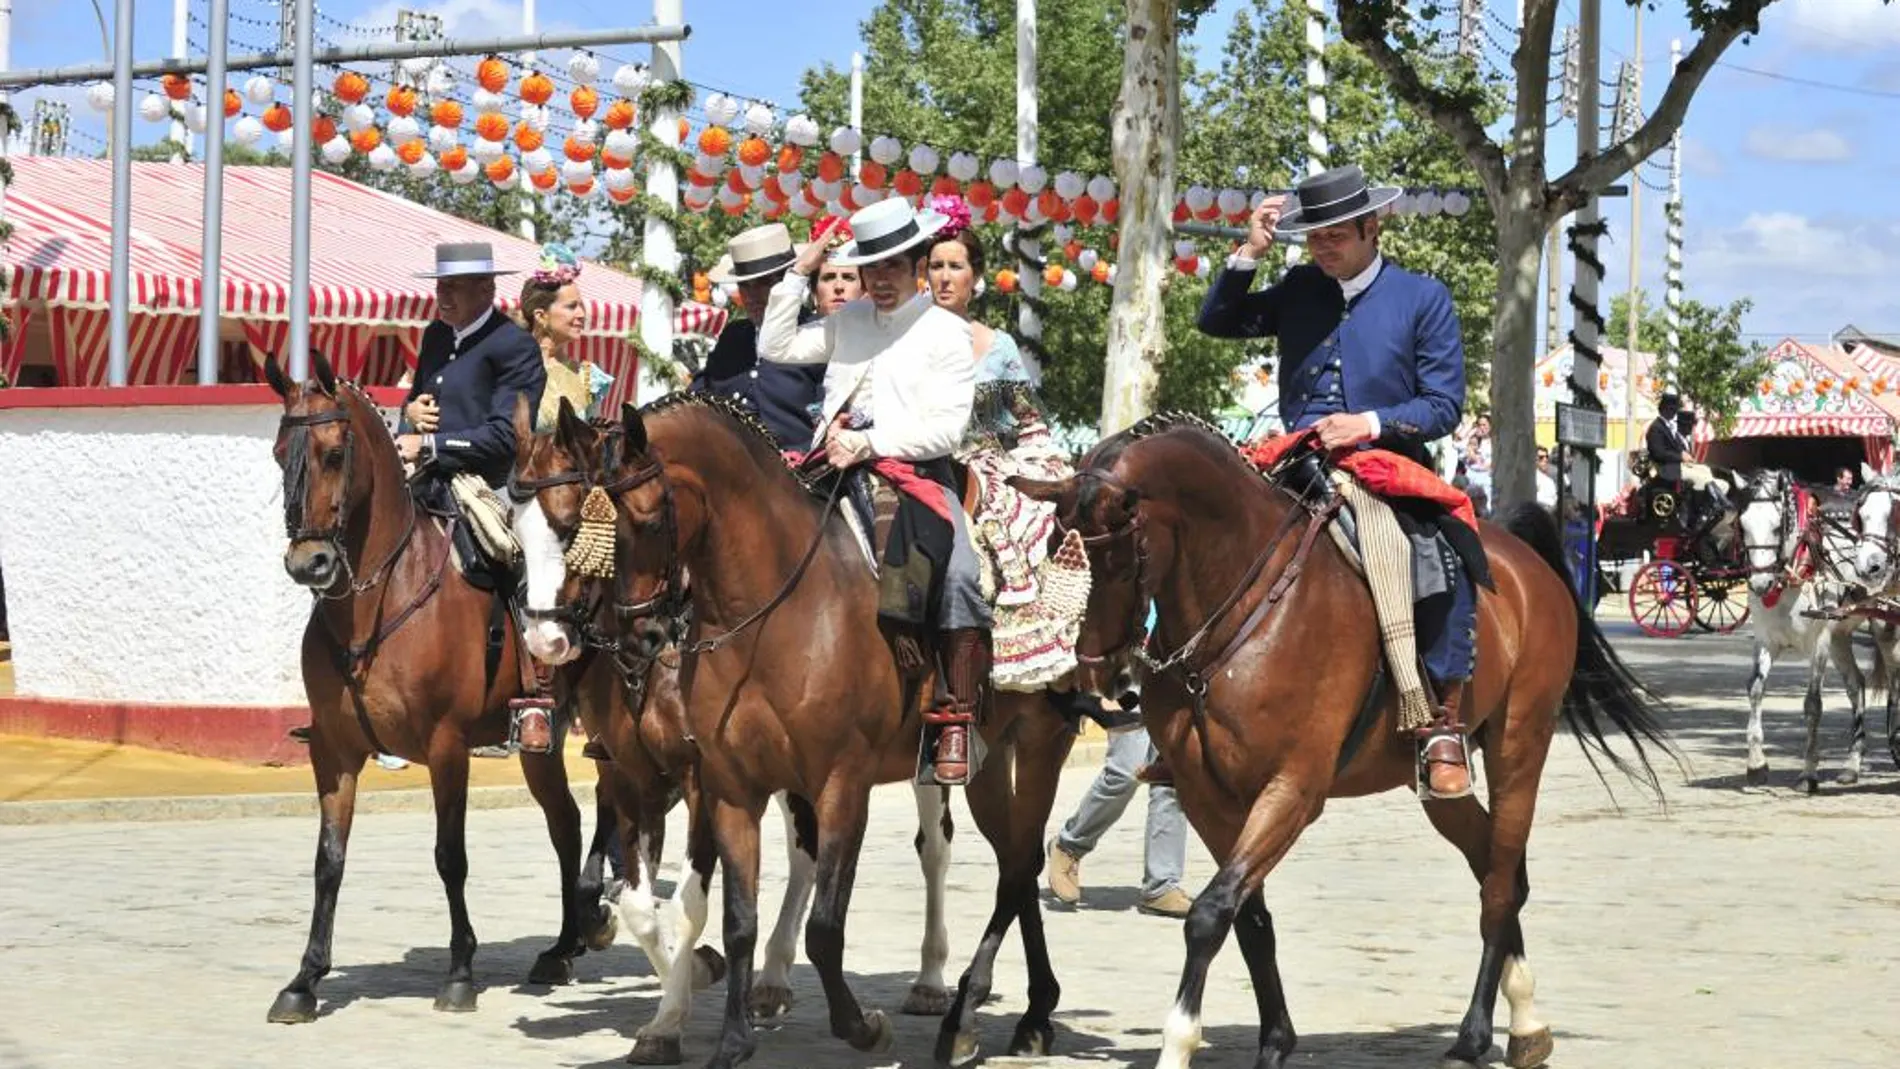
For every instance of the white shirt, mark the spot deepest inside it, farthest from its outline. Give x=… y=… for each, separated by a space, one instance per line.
x=914 y=361
x=463 y=334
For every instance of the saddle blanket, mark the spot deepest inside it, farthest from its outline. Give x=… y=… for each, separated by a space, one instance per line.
x=1384 y=473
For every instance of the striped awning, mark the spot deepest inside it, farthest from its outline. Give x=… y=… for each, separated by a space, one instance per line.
x=1811 y=391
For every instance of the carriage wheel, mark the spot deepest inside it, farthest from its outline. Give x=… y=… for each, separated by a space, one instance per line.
x=1662 y=599
x=1721 y=604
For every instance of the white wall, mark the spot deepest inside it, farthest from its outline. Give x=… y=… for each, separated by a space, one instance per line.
x=143 y=556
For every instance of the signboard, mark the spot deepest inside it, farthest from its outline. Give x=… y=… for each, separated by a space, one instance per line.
x=1582 y=428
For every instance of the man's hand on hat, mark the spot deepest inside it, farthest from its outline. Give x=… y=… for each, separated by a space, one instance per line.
x=423 y=414
x=812 y=257
x=1260 y=227
x=1344 y=430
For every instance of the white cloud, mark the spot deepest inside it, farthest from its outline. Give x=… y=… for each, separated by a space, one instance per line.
x=1701 y=159
x=1805 y=274
x=1836 y=25
x=1814 y=145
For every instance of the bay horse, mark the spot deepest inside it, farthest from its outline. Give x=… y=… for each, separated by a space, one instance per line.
x=626 y=693
x=396 y=659
x=1261 y=734
x=790 y=686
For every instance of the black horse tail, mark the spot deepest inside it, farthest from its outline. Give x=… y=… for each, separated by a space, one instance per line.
x=1602 y=688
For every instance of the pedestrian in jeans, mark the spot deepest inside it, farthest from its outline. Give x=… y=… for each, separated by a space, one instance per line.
x=1164 y=857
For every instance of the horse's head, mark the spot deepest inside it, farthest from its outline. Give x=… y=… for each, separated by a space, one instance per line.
x=317 y=438
x=564 y=521
x=1874 y=522
x=1108 y=515
x=1770 y=532
x=650 y=595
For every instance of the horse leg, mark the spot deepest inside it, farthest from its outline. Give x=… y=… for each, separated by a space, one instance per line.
x=842 y=810
x=736 y=829
x=1841 y=642
x=336 y=799
x=988 y=796
x=771 y=995
x=547 y=782
x=1041 y=747
x=658 y=1042
x=1253 y=930
x=448 y=777
x=928 y=996
x=1274 y=821
x=1811 y=758
x=1757 y=768
x=598 y=924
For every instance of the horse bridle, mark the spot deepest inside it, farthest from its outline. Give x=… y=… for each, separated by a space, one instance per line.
x=1785 y=561
x=337 y=533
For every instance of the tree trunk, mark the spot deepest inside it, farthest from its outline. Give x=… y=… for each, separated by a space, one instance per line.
x=1514 y=354
x=1146 y=127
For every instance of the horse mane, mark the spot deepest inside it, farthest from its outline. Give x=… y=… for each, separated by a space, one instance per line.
x=754 y=434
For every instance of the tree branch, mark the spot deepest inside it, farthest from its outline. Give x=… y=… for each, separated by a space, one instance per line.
x=1531 y=67
x=1575 y=186
x=1363 y=23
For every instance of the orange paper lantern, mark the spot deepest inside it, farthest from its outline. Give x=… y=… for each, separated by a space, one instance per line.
x=1052 y=275
x=351 y=87
x=946 y=186
x=584 y=101
x=789 y=158
x=980 y=195
x=322 y=129
x=693 y=177
x=448 y=115
x=366 y=139
x=411 y=151
x=753 y=152
x=582 y=188
x=537 y=88
x=1015 y=202
x=400 y=100
x=527 y=138
x=454 y=159
x=685 y=131
x=277 y=118
x=613 y=162
x=492 y=74
x=1111 y=209
x=715 y=140
x=1006 y=281
x=736 y=182
x=233 y=104
x=831 y=167
x=491 y=126
x=177 y=86
x=1085 y=209
x=737 y=209
x=1100 y=271
x=577 y=150
x=1072 y=251
x=545 y=180
x=772 y=190
x=500 y=168
x=1048 y=202
x=907 y=183
x=873 y=174
x=622 y=196
x=619 y=116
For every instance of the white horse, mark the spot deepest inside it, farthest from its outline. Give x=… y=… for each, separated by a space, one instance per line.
x=1874 y=559
x=1797 y=565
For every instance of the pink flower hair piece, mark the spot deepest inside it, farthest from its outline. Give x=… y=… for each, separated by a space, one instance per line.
x=958 y=212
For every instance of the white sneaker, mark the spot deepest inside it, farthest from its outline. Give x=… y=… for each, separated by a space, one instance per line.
x=391 y=762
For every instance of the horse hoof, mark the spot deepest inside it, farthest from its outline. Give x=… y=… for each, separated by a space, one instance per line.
x=956 y=1049
x=769 y=1002
x=1758 y=777
x=873 y=1034
x=551 y=969
x=709 y=967
x=293 y=1007
x=1847 y=778
x=458 y=996
x=1810 y=785
x=1529 y=1052
x=1032 y=1041
x=655 y=1050
x=600 y=935
x=925 y=1001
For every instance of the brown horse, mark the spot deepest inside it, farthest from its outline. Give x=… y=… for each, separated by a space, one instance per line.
x=396 y=659
x=1261 y=734
x=790 y=686
x=626 y=692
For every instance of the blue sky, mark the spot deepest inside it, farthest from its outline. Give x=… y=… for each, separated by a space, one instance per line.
x=1787 y=185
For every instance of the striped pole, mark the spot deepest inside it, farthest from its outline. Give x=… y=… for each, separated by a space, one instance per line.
x=1317 y=150
x=1672 y=213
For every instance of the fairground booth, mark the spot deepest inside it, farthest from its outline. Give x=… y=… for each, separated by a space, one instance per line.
x=1815 y=409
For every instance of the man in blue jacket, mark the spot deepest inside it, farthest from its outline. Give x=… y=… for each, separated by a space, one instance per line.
x=1369 y=356
x=785 y=397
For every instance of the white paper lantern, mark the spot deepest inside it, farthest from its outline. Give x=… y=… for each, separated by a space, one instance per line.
x=358 y=117
x=963 y=166
x=259 y=90
x=336 y=150
x=577 y=171
x=924 y=159
x=1031 y=178
x=1070 y=185
x=790 y=183
x=484 y=151
x=721 y=109
x=865 y=196
x=486 y=101
x=537 y=161
x=886 y=150
x=1113 y=271
x=536 y=116
x=442 y=139
x=1061 y=233
x=1203 y=267
x=586 y=131
x=620 y=143
x=1199 y=198
x=403 y=129
x=1002 y=174
x=1068 y=280
x=247 y=131
x=441 y=83
x=194 y=117
x=511 y=182
x=468 y=172
x=99 y=95
x=287 y=138
x=154 y=108
x=618 y=178
x=417 y=67
x=710 y=166
x=752 y=176
x=845 y=140
x=1231 y=201
x=719 y=297
x=1406 y=204
x=383 y=158
x=1101 y=188
x=1088 y=259
x=1183 y=249
x=802 y=130
x=584 y=68
x=730 y=199
x=423 y=167
x=803 y=208
x=827 y=191
x=630 y=78
x=1430 y=203
x=759 y=119
x=1457 y=204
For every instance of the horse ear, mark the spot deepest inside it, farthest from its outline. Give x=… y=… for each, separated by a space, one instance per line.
x=636 y=428
x=524 y=428
x=1867 y=474
x=274 y=374
x=1049 y=491
x=570 y=429
x=326 y=377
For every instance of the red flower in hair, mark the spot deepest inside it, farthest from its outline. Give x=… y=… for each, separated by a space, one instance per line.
x=834 y=230
x=958 y=212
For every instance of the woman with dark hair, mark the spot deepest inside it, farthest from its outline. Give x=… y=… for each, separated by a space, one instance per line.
x=553 y=313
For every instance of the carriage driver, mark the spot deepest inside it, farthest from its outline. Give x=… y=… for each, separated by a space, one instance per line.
x=1370 y=357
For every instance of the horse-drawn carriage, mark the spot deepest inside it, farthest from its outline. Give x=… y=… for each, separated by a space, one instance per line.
x=1695 y=575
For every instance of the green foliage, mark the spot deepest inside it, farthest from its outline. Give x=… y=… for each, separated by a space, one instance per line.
x=1716 y=371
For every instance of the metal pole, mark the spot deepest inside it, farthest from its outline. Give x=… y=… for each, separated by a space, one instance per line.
x=527 y=188
x=1318 y=150
x=1553 y=288
x=211 y=303
x=370 y=53
x=181 y=45
x=1631 y=336
x=302 y=114
x=857 y=108
x=660 y=243
x=1672 y=283
x=118 y=359
x=1028 y=246
x=1586 y=322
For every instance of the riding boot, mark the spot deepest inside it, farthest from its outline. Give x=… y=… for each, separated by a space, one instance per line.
x=966 y=664
x=1156 y=773
x=1443 y=757
x=531 y=717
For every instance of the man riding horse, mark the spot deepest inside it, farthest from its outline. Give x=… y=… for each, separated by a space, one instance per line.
x=1370 y=357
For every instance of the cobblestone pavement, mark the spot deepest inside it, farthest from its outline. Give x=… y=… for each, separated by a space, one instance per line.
x=1741 y=928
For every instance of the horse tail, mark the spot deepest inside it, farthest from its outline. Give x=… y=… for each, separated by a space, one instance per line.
x=1602 y=688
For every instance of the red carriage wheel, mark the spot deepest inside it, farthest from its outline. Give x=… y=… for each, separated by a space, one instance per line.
x=1662 y=599
x=1721 y=603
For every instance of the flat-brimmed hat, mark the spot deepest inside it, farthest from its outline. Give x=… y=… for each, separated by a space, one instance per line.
x=885 y=229
x=755 y=253
x=460 y=259
x=1334 y=197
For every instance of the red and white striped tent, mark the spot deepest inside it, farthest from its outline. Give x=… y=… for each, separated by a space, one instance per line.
x=1812 y=391
x=367 y=308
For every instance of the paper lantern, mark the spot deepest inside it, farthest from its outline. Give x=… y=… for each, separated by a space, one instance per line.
x=789 y=158
x=1186 y=265
x=358 y=117
x=962 y=166
x=712 y=165
x=1067 y=282
x=486 y=151
x=981 y=195
x=630 y=78
x=247 y=132
x=759 y=119
x=536 y=116
x=335 y=151
x=233 y=104
x=946 y=186
x=577 y=150
x=619 y=143
x=574 y=171
x=865 y=195
x=350 y=87
x=791 y=182
x=454 y=159
x=1457 y=204
x=845 y=140
x=1111 y=210
x=411 y=152
x=1101 y=188
x=1232 y=204
x=546 y=180
x=440 y=83
x=1005 y=281
x=492 y=126
x=277 y=118
x=872 y=174
x=583 y=67
x=753 y=152
x=492 y=74
x=447 y=114
x=1052 y=275
x=1198 y=198
x=1430 y=203
x=499 y=169
x=402 y=130
x=442 y=139
x=622 y=196
x=617 y=178
x=1070 y=185
x=1099 y=270
x=400 y=100
x=1086 y=259
x=802 y=130
x=721 y=109
x=684 y=131
x=1031 y=178
x=259 y=90
x=1002 y=173
x=383 y=158
x=715 y=140
x=830 y=167
x=176 y=86
x=907 y=183
x=619 y=115
x=194 y=116
x=462 y=173
x=1085 y=209
x=536 y=88
x=1015 y=202
x=366 y=140
x=322 y=129
x=1047 y=202
x=584 y=101
x=923 y=159
x=886 y=150
x=527 y=138
x=154 y=108
x=539 y=159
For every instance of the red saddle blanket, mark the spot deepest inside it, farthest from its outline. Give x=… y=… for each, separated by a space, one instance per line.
x=902 y=477
x=1385 y=473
